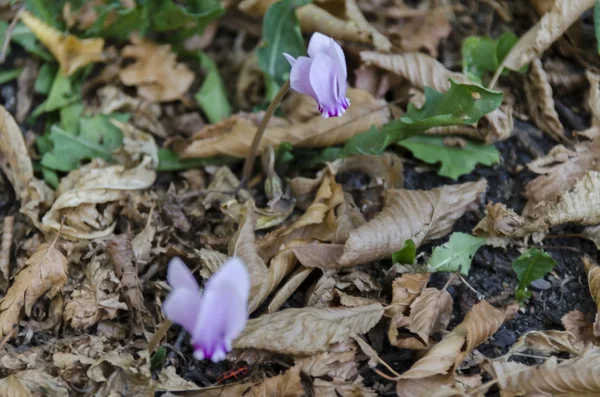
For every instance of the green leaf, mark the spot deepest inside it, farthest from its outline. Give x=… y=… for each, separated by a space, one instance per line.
x=166 y=16
x=597 y=23
x=158 y=358
x=168 y=160
x=281 y=33
x=61 y=94
x=45 y=78
x=406 y=256
x=70 y=117
x=24 y=37
x=123 y=21
x=50 y=177
x=455 y=161
x=530 y=266
x=456 y=254
x=212 y=96
x=8 y=75
x=461 y=104
x=482 y=54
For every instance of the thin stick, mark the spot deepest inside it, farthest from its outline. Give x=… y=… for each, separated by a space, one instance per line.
x=249 y=164
x=162 y=331
x=9 y=33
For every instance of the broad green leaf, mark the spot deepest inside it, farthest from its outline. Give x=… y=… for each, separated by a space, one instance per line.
x=597 y=23
x=61 y=94
x=158 y=358
x=50 y=11
x=123 y=21
x=45 y=78
x=184 y=20
x=168 y=160
x=8 y=75
x=26 y=39
x=284 y=154
x=50 y=177
x=281 y=33
x=455 y=161
x=70 y=117
x=212 y=96
x=407 y=255
x=482 y=54
x=461 y=104
x=530 y=266
x=456 y=254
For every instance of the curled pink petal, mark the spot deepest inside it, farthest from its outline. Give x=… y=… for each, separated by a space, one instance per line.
x=300 y=77
x=318 y=43
x=180 y=276
x=181 y=307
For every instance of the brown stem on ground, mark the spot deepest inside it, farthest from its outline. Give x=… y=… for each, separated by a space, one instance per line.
x=162 y=331
x=9 y=33
x=250 y=159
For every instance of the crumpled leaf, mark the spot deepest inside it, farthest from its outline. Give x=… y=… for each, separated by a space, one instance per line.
x=287 y=384
x=549 y=28
x=356 y=388
x=578 y=205
x=580 y=325
x=45 y=272
x=82 y=190
x=410 y=214
x=548 y=342
x=457 y=254
x=541 y=102
x=593 y=275
x=423 y=71
x=424 y=32
x=33 y=382
x=307 y=330
x=338 y=363
x=579 y=376
x=156 y=73
x=70 y=52
x=233 y=137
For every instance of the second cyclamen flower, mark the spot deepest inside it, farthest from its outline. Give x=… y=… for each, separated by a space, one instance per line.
x=322 y=75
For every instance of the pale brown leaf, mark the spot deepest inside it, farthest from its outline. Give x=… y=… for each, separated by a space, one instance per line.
x=593 y=101
x=580 y=325
x=541 y=103
x=323 y=388
x=45 y=273
x=285 y=385
x=405 y=289
x=7 y=238
x=308 y=330
x=430 y=313
x=410 y=214
x=33 y=383
x=424 y=32
x=338 y=363
x=593 y=276
x=548 y=342
x=323 y=256
x=290 y=286
x=235 y=135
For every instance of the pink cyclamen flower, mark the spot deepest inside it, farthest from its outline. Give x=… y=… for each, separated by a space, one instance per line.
x=215 y=317
x=322 y=75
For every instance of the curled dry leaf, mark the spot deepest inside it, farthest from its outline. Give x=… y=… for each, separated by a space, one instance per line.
x=422 y=71
x=323 y=388
x=7 y=238
x=84 y=189
x=548 y=29
x=541 y=102
x=410 y=214
x=548 y=342
x=287 y=384
x=308 y=330
x=593 y=101
x=424 y=32
x=33 y=382
x=233 y=136
x=579 y=376
x=338 y=363
x=44 y=273
x=70 y=52
x=580 y=325
x=156 y=73
x=593 y=275
x=579 y=205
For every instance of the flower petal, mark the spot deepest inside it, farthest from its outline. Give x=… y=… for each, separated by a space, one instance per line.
x=180 y=276
x=323 y=79
x=289 y=58
x=335 y=51
x=300 y=77
x=233 y=273
x=318 y=43
x=181 y=307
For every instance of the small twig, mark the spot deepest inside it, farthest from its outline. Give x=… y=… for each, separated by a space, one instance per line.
x=162 y=331
x=250 y=159
x=562 y=247
x=9 y=33
x=480 y=296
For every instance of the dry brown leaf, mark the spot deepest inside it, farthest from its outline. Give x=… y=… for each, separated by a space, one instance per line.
x=579 y=205
x=25 y=92
x=33 y=383
x=45 y=273
x=7 y=238
x=405 y=289
x=541 y=103
x=422 y=71
x=549 y=29
x=285 y=385
x=338 y=363
x=593 y=101
x=169 y=380
x=141 y=244
x=424 y=32
x=323 y=388
x=291 y=285
x=83 y=190
x=579 y=376
x=593 y=275
x=70 y=52
x=308 y=330
x=548 y=342
x=323 y=256
x=136 y=145
x=410 y=214
x=234 y=135
x=580 y=325
x=156 y=73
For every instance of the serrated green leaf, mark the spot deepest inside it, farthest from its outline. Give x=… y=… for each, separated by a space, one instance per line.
x=124 y=21
x=61 y=94
x=461 y=104
x=407 y=255
x=8 y=75
x=530 y=266
x=455 y=161
x=212 y=96
x=456 y=254
x=482 y=54
x=281 y=33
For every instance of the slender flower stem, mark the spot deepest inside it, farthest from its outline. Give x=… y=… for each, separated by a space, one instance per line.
x=162 y=331
x=249 y=164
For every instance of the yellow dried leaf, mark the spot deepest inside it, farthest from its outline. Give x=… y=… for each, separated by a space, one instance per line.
x=45 y=272
x=405 y=289
x=307 y=330
x=541 y=103
x=156 y=73
x=410 y=214
x=70 y=52
x=422 y=71
x=548 y=29
x=235 y=134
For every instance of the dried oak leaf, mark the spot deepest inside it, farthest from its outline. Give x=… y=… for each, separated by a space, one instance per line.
x=422 y=71
x=233 y=136
x=308 y=330
x=32 y=383
x=410 y=214
x=579 y=205
x=70 y=52
x=593 y=275
x=548 y=29
x=156 y=73
x=339 y=362
x=83 y=190
x=579 y=376
x=548 y=342
x=541 y=103
x=45 y=272
x=425 y=32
